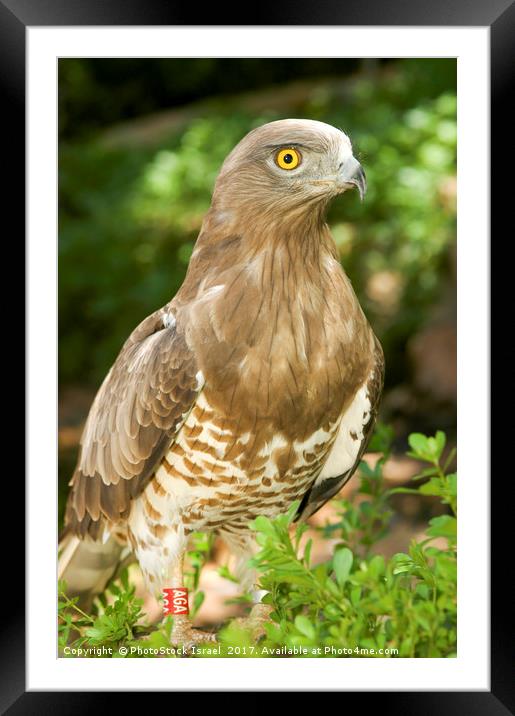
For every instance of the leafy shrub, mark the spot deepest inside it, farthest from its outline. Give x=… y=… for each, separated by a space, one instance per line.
x=113 y=627
x=357 y=604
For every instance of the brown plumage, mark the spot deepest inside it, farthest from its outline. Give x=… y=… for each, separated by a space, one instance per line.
x=256 y=385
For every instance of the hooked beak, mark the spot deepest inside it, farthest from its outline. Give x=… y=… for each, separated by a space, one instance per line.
x=351 y=172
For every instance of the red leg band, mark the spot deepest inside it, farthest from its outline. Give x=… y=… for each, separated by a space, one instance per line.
x=175 y=601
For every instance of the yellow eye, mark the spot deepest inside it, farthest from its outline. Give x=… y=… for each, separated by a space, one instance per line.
x=287 y=158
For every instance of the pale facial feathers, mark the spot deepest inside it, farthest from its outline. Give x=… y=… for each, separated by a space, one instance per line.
x=251 y=175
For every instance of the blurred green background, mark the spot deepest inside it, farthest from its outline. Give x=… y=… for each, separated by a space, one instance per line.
x=141 y=141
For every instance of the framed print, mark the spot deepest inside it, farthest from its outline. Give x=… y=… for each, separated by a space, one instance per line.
x=257 y=353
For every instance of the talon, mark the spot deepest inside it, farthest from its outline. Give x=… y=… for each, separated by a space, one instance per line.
x=183 y=634
x=256 y=620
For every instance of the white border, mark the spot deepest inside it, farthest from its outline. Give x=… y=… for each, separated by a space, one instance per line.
x=470 y=671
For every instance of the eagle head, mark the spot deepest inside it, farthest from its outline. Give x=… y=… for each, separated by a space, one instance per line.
x=289 y=164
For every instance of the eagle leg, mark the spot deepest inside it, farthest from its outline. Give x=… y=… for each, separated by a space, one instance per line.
x=244 y=546
x=183 y=634
x=255 y=621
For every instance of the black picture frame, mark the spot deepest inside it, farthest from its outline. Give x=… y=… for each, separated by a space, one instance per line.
x=15 y=17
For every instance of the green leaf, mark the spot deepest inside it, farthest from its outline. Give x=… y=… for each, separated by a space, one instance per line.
x=419 y=444
x=452 y=484
x=262 y=524
x=342 y=563
x=124 y=578
x=440 y=440
x=198 y=601
x=225 y=572
x=307 y=552
x=292 y=511
x=443 y=526
x=355 y=595
x=305 y=627
x=432 y=487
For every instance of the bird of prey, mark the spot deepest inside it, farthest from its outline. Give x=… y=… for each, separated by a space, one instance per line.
x=255 y=386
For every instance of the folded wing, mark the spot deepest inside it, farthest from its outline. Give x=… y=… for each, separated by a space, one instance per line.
x=137 y=413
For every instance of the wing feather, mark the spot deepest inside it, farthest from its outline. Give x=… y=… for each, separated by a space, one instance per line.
x=323 y=490
x=135 y=416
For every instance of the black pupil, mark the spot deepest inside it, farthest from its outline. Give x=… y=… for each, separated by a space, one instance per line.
x=288 y=158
